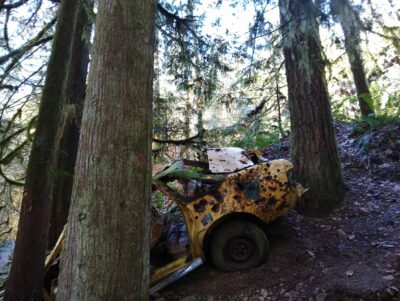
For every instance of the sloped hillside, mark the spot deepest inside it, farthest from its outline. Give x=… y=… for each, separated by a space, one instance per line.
x=352 y=254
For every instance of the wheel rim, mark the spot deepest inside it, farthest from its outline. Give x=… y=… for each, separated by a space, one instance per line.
x=239 y=249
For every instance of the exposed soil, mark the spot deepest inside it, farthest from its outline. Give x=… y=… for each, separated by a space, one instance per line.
x=352 y=254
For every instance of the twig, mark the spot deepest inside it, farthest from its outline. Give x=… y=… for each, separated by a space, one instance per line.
x=183 y=141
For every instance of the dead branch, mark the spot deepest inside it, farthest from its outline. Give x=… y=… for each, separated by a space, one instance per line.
x=183 y=141
x=39 y=39
x=13 y=5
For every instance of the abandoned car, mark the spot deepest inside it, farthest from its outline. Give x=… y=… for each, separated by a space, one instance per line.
x=224 y=204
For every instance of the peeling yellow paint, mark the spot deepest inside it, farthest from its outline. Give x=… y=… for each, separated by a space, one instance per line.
x=262 y=190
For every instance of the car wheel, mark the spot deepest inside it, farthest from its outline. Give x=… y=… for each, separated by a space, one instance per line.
x=238 y=245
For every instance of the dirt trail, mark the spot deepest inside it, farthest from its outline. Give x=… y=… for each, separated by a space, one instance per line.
x=352 y=254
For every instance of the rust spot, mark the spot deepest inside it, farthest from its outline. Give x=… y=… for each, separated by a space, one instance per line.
x=271 y=202
x=252 y=191
x=219 y=197
x=237 y=197
x=260 y=201
x=278 y=170
x=282 y=206
x=275 y=176
x=207 y=219
x=215 y=208
x=200 y=206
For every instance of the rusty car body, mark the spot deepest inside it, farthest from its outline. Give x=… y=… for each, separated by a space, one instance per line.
x=257 y=194
x=223 y=213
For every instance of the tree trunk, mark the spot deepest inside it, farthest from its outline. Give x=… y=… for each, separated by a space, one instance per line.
x=187 y=114
x=27 y=268
x=198 y=83
x=313 y=145
x=279 y=97
x=345 y=13
x=106 y=254
x=74 y=96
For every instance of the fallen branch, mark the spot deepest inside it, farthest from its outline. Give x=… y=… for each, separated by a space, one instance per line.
x=183 y=141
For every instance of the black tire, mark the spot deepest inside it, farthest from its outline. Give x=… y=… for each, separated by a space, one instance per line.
x=238 y=245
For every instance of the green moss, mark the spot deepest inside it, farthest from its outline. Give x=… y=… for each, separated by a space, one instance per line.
x=157 y=200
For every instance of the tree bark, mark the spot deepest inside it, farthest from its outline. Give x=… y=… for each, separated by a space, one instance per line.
x=346 y=15
x=106 y=254
x=74 y=95
x=313 y=145
x=27 y=268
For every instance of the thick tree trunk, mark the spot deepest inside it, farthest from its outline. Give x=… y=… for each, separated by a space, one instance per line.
x=313 y=145
x=107 y=248
x=27 y=268
x=345 y=13
x=74 y=96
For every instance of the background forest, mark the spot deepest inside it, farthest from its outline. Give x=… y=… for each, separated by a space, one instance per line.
x=220 y=79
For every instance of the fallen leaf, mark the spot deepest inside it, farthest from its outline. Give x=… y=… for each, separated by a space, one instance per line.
x=349 y=273
x=389 y=271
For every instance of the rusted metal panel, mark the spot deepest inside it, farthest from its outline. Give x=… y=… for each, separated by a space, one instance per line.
x=174 y=273
x=227 y=159
x=262 y=190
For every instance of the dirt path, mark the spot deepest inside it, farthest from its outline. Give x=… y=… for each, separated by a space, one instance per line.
x=352 y=254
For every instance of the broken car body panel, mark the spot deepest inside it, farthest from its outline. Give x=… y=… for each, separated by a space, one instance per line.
x=263 y=191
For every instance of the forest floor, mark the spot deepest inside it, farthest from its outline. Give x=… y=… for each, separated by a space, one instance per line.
x=352 y=254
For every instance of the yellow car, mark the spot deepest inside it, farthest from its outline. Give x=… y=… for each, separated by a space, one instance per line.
x=225 y=211
x=225 y=203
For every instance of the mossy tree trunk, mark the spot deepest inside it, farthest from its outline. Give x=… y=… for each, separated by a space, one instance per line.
x=107 y=246
x=347 y=19
x=74 y=95
x=313 y=145
x=27 y=268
